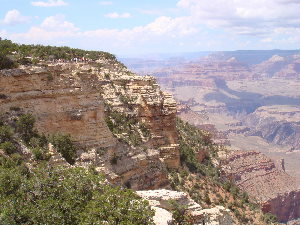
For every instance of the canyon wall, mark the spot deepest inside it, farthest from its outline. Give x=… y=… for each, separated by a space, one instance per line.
x=70 y=98
x=276 y=191
x=60 y=103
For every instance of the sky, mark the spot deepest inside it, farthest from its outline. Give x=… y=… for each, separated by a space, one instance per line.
x=136 y=27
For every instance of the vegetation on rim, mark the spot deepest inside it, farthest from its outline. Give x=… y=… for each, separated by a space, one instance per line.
x=12 y=54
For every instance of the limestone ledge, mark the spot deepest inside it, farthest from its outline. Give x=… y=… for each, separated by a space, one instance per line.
x=161 y=200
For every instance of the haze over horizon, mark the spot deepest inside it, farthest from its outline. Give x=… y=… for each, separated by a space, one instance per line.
x=139 y=27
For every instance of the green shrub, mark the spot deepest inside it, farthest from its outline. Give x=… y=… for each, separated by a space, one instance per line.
x=6 y=62
x=269 y=218
x=207 y=199
x=120 y=124
x=38 y=154
x=179 y=213
x=15 y=108
x=8 y=147
x=64 y=145
x=5 y=134
x=50 y=77
x=25 y=127
x=38 y=141
x=67 y=196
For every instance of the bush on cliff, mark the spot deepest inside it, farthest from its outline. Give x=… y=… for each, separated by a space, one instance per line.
x=65 y=196
x=25 y=127
x=6 y=133
x=64 y=145
x=6 y=63
x=27 y=54
x=8 y=147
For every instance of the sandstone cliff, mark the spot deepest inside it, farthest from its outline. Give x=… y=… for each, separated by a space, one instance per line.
x=71 y=97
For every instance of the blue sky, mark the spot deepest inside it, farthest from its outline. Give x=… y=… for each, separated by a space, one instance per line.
x=134 y=27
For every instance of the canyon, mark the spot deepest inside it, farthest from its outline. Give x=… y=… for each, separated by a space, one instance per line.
x=85 y=101
x=125 y=127
x=249 y=101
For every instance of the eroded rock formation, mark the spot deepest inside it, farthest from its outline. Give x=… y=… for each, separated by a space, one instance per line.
x=276 y=191
x=277 y=124
x=70 y=97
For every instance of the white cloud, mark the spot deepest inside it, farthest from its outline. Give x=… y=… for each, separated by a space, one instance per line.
x=106 y=3
x=49 y=3
x=13 y=17
x=150 y=12
x=173 y=26
x=254 y=17
x=52 y=28
x=116 y=15
x=55 y=30
x=57 y=23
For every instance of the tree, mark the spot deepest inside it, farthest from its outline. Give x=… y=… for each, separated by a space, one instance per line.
x=66 y=196
x=65 y=146
x=25 y=127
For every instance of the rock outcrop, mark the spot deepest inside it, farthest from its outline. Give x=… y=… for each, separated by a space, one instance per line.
x=70 y=98
x=276 y=191
x=161 y=201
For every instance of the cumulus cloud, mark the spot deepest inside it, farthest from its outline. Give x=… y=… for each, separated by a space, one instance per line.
x=58 y=23
x=246 y=17
x=49 y=3
x=106 y=3
x=56 y=30
x=14 y=17
x=230 y=24
x=52 y=28
x=116 y=15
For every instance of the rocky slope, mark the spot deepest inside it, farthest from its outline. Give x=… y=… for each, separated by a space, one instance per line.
x=202 y=73
x=276 y=191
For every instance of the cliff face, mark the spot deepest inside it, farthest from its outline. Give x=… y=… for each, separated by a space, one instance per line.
x=277 y=124
x=276 y=191
x=70 y=98
x=59 y=101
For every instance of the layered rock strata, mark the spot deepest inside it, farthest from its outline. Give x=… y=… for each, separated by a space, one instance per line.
x=70 y=98
x=276 y=191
